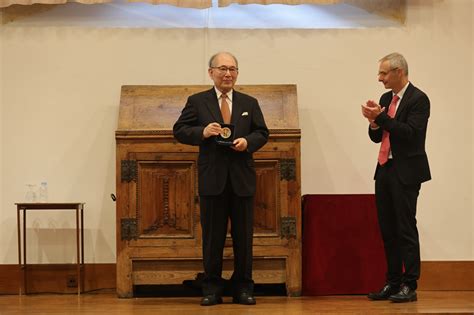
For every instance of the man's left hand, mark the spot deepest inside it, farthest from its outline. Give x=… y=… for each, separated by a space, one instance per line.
x=371 y=110
x=240 y=144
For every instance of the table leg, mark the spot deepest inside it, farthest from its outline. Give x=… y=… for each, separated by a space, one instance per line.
x=82 y=247
x=25 y=283
x=20 y=288
x=78 y=266
x=82 y=234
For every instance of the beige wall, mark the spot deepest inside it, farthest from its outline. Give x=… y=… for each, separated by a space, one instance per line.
x=1 y=133
x=60 y=101
x=2 y=212
x=472 y=130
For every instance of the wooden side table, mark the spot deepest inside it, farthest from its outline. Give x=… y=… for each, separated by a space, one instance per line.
x=78 y=207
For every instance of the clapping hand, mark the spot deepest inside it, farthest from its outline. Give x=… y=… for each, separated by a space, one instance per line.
x=371 y=110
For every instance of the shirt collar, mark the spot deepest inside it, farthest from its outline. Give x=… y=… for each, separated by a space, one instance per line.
x=219 y=93
x=402 y=91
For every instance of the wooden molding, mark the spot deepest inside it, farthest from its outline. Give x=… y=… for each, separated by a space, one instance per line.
x=53 y=278
x=447 y=275
x=435 y=276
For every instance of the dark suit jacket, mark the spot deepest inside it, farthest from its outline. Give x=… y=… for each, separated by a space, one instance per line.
x=407 y=134
x=216 y=162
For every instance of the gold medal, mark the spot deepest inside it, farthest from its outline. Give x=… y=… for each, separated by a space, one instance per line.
x=226 y=133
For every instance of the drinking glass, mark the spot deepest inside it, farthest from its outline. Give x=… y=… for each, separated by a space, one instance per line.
x=31 y=193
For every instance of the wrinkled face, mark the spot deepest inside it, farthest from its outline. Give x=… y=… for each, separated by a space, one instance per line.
x=390 y=77
x=224 y=72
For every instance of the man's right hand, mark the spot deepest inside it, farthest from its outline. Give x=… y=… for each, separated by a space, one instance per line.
x=213 y=129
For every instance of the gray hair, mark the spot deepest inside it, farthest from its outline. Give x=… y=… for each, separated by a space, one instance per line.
x=396 y=60
x=211 y=60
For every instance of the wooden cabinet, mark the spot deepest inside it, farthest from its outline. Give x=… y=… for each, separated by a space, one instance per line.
x=158 y=229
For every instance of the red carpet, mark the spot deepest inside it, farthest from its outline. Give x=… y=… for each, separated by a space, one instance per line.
x=342 y=246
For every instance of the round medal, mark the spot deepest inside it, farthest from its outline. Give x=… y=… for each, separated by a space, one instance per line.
x=226 y=133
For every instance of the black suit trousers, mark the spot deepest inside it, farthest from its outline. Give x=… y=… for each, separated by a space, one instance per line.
x=396 y=206
x=215 y=212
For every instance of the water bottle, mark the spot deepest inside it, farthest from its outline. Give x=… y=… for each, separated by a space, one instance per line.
x=43 y=192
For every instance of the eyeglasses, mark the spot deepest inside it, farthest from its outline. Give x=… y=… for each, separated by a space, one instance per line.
x=383 y=73
x=224 y=69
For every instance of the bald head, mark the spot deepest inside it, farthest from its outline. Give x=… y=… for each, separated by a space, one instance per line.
x=212 y=60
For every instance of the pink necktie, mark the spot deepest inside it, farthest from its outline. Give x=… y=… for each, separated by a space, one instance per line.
x=385 y=146
x=225 y=110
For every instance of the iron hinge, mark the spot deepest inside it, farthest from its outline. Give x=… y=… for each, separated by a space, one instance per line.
x=288 y=227
x=128 y=229
x=129 y=170
x=287 y=169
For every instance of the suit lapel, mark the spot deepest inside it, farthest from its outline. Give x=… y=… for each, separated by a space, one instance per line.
x=213 y=106
x=405 y=100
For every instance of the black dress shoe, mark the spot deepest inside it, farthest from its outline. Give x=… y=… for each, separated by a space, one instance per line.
x=210 y=300
x=245 y=299
x=405 y=295
x=384 y=293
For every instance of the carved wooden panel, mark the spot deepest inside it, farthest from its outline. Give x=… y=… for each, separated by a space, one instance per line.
x=165 y=199
x=267 y=207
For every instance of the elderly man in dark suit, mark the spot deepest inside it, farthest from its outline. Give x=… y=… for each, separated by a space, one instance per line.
x=399 y=123
x=226 y=174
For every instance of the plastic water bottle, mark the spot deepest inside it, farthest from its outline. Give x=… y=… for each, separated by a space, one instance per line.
x=43 y=192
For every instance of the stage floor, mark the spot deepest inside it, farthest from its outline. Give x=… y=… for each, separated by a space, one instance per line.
x=107 y=303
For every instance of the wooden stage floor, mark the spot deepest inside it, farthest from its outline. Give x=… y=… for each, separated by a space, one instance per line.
x=446 y=302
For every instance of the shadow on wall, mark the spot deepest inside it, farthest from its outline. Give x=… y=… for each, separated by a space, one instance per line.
x=57 y=245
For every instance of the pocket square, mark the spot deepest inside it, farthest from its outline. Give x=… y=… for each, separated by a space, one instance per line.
x=245 y=114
